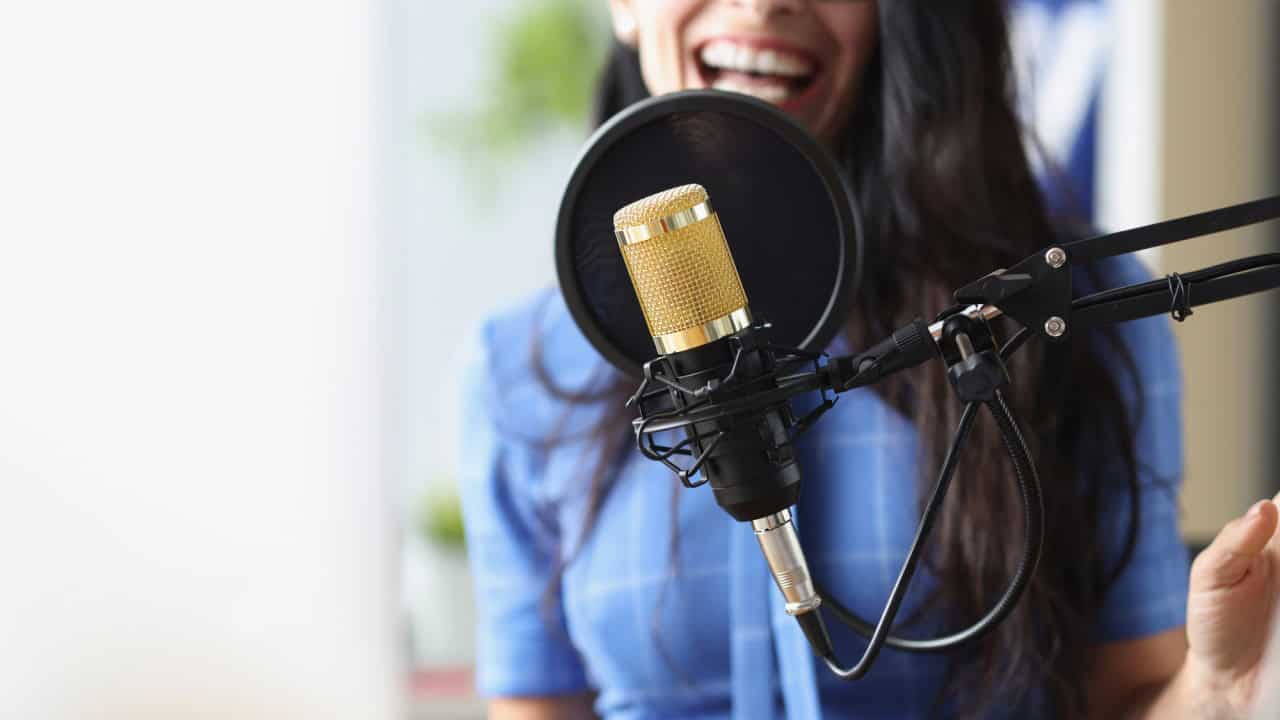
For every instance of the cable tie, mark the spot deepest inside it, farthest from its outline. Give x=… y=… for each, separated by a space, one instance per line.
x=1180 y=292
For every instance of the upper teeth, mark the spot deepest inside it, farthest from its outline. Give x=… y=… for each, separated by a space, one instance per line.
x=729 y=55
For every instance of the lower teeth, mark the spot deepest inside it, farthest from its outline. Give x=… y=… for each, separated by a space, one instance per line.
x=768 y=93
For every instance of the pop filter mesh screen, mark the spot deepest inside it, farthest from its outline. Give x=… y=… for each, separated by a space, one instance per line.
x=793 y=247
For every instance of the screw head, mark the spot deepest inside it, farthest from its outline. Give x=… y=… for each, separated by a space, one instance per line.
x=1055 y=326
x=1056 y=257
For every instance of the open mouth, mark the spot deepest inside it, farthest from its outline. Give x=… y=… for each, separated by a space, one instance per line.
x=772 y=74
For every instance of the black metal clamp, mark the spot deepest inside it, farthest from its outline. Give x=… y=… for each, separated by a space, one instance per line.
x=1036 y=292
x=973 y=362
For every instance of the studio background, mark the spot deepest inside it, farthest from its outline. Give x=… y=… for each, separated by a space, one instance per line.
x=243 y=245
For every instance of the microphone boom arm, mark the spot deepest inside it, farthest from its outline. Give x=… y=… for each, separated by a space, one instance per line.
x=1037 y=291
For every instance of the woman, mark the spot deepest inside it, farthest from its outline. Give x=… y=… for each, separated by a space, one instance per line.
x=599 y=583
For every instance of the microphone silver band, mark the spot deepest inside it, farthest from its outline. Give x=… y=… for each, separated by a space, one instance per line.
x=973 y=312
x=700 y=335
x=675 y=221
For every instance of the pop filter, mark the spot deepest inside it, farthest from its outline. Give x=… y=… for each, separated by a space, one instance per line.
x=786 y=210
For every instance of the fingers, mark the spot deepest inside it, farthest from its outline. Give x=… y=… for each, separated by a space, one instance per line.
x=1227 y=560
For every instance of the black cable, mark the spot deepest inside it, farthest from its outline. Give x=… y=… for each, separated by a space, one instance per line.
x=1033 y=512
x=1014 y=343
x=908 y=566
x=879 y=636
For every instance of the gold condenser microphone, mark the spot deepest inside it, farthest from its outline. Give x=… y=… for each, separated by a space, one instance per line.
x=691 y=296
x=681 y=268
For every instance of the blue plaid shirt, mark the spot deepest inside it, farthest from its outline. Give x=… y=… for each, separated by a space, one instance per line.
x=701 y=632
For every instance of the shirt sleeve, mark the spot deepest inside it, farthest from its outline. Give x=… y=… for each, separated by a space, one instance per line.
x=523 y=647
x=1150 y=594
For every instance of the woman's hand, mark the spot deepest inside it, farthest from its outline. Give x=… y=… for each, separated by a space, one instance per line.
x=1234 y=585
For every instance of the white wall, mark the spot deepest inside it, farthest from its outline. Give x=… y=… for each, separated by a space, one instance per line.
x=451 y=258
x=193 y=520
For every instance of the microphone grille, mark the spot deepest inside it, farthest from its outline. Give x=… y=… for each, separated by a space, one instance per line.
x=681 y=268
x=659 y=206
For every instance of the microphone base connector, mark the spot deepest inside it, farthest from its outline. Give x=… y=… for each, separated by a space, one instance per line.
x=781 y=547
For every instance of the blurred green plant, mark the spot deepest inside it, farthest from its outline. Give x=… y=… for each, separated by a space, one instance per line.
x=547 y=54
x=440 y=519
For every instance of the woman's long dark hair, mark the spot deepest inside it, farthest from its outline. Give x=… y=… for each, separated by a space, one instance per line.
x=935 y=152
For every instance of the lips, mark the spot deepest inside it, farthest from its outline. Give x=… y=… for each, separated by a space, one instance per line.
x=770 y=71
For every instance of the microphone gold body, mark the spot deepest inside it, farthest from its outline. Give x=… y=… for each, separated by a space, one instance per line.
x=681 y=268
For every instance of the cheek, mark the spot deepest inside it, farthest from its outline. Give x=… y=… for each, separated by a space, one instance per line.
x=662 y=27
x=853 y=28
